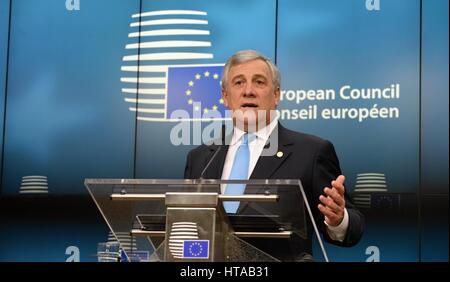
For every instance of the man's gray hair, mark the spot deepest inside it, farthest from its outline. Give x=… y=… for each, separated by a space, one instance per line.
x=246 y=56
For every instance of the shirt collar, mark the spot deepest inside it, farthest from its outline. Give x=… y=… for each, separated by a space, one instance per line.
x=262 y=134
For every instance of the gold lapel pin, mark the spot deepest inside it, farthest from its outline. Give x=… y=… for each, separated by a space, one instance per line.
x=280 y=154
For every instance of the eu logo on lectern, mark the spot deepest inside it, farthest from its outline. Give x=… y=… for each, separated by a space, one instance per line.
x=196 y=249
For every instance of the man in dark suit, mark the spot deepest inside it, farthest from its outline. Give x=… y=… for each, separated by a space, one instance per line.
x=251 y=90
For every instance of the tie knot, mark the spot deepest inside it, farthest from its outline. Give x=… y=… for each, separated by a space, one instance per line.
x=248 y=137
x=245 y=139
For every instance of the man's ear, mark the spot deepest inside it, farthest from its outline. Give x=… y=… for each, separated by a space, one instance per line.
x=277 y=96
x=225 y=97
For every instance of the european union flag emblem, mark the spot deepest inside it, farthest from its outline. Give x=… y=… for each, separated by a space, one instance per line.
x=385 y=201
x=187 y=85
x=196 y=249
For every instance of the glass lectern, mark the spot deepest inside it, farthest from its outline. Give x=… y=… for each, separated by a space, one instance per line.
x=185 y=220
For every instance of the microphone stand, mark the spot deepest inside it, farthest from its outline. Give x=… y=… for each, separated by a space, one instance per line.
x=199 y=186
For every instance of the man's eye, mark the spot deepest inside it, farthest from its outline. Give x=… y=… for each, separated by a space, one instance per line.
x=238 y=82
x=260 y=82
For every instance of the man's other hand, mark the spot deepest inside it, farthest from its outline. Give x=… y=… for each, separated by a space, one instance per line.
x=333 y=203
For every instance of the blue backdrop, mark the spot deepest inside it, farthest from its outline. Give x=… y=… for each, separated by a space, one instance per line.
x=69 y=109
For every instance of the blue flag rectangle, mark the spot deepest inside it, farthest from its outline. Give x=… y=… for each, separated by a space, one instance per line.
x=385 y=201
x=187 y=85
x=196 y=249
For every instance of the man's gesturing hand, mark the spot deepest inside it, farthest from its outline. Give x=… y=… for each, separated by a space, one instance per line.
x=333 y=204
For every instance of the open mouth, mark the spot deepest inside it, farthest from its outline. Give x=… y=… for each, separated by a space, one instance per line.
x=249 y=106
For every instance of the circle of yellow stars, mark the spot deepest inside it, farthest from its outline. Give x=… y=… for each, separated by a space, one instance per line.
x=199 y=251
x=191 y=84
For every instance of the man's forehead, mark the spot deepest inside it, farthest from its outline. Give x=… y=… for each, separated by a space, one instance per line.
x=254 y=67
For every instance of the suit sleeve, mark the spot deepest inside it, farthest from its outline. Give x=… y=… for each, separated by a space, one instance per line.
x=326 y=169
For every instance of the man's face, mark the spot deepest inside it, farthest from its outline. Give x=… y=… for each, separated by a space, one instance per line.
x=250 y=92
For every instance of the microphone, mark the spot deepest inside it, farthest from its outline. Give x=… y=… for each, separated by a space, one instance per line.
x=210 y=161
x=305 y=257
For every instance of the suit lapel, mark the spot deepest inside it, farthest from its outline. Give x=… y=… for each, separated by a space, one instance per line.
x=268 y=165
x=215 y=168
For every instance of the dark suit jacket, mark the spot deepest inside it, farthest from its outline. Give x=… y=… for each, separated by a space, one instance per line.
x=306 y=157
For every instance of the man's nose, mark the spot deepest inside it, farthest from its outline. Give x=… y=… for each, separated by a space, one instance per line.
x=249 y=90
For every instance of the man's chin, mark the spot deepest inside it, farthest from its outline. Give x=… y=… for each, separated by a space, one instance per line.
x=249 y=119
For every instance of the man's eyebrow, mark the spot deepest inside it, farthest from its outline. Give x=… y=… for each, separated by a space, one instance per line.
x=255 y=76
x=237 y=76
x=259 y=76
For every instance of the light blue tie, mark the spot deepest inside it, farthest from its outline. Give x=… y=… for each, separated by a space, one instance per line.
x=239 y=171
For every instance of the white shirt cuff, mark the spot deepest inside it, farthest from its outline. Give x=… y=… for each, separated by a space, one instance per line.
x=337 y=233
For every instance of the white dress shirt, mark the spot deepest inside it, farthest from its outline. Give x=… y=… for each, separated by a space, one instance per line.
x=256 y=146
